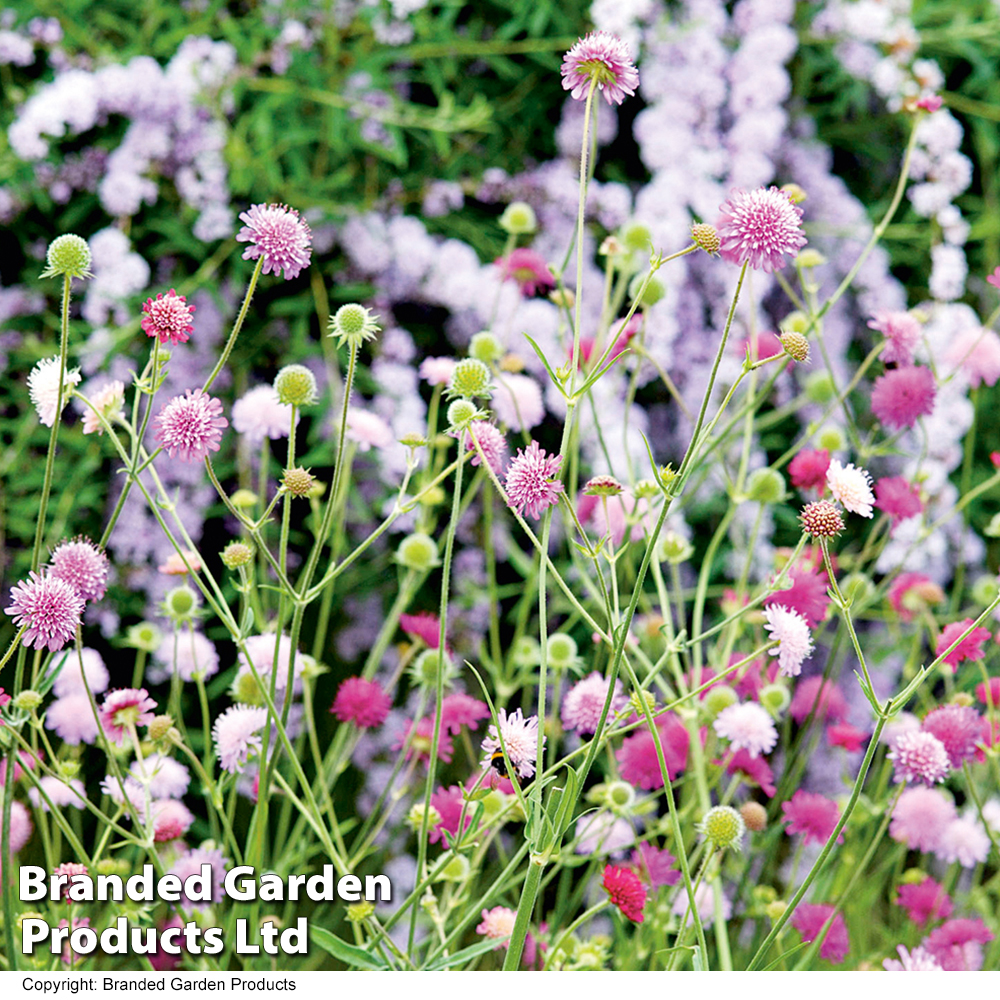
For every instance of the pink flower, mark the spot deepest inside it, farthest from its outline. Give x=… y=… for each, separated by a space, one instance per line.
x=812 y=815
x=168 y=778
x=492 y=443
x=530 y=488
x=808 y=469
x=168 y=317
x=171 y=819
x=919 y=757
x=794 y=640
x=897 y=498
x=970 y=648
x=814 y=695
x=497 y=923
x=756 y=769
x=70 y=868
x=765 y=345
x=964 y=840
x=520 y=737
x=902 y=395
x=902 y=334
x=977 y=353
x=843 y=734
x=528 y=268
x=190 y=863
x=20 y=828
x=83 y=566
x=851 y=487
x=437 y=371
x=909 y=591
x=123 y=710
x=626 y=891
x=604 y=58
x=276 y=233
x=423 y=740
x=109 y=401
x=449 y=803
x=655 y=865
x=368 y=430
x=807 y=595
x=957 y=945
x=362 y=702
x=747 y=726
x=458 y=710
x=584 y=702
x=920 y=818
x=422 y=625
x=994 y=278
x=759 y=227
x=930 y=102
x=925 y=901
x=72 y=718
x=809 y=918
x=638 y=760
x=235 y=734
x=190 y=426
x=918 y=960
x=517 y=402
x=50 y=608
x=259 y=414
x=959 y=728
x=989 y=696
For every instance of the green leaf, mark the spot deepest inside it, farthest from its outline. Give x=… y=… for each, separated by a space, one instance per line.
x=545 y=361
x=349 y=954
x=448 y=961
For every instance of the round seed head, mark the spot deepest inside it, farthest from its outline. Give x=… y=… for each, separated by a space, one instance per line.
x=754 y=815
x=298 y=481
x=796 y=346
x=418 y=551
x=470 y=378
x=486 y=347
x=70 y=255
x=353 y=324
x=723 y=827
x=237 y=554
x=821 y=519
x=706 y=236
x=296 y=386
x=518 y=219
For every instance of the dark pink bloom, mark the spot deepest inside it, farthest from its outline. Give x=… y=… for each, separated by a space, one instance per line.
x=362 y=702
x=808 y=469
x=958 y=945
x=171 y=819
x=843 y=734
x=423 y=736
x=994 y=278
x=807 y=595
x=276 y=233
x=902 y=395
x=422 y=625
x=125 y=709
x=925 y=901
x=897 y=498
x=931 y=102
x=168 y=317
x=902 y=334
x=768 y=346
x=626 y=891
x=970 y=648
x=826 y=698
x=531 y=483
x=759 y=227
x=756 y=769
x=959 y=728
x=83 y=566
x=51 y=608
x=638 y=760
x=655 y=865
x=812 y=815
x=528 y=268
x=604 y=58
x=911 y=589
x=459 y=710
x=989 y=696
x=809 y=918
x=448 y=802
x=190 y=426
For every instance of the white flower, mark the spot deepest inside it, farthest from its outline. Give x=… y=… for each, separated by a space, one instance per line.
x=43 y=388
x=747 y=727
x=794 y=639
x=852 y=487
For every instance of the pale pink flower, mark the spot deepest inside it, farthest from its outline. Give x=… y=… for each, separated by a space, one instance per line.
x=51 y=608
x=168 y=778
x=582 y=706
x=171 y=819
x=919 y=757
x=759 y=227
x=109 y=401
x=902 y=334
x=492 y=443
x=964 y=840
x=368 y=430
x=530 y=485
x=168 y=317
x=260 y=414
x=190 y=426
x=497 y=923
x=437 y=371
x=83 y=566
x=977 y=353
x=43 y=388
x=517 y=402
x=852 y=487
x=917 y=960
x=795 y=644
x=748 y=727
x=604 y=58
x=236 y=735
x=520 y=737
x=920 y=818
x=279 y=235
x=72 y=718
x=125 y=709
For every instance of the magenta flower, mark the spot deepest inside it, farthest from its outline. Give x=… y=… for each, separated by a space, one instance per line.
x=902 y=334
x=449 y=802
x=909 y=591
x=759 y=227
x=168 y=317
x=807 y=595
x=902 y=395
x=626 y=891
x=655 y=865
x=808 y=469
x=51 y=608
x=812 y=815
x=362 y=702
x=458 y=710
x=530 y=489
x=492 y=443
x=171 y=819
x=637 y=757
x=897 y=498
x=422 y=625
x=823 y=698
x=925 y=901
x=919 y=756
x=528 y=268
x=958 y=944
x=235 y=734
x=83 y=566
x=604 y=58
x=959 y=728
x=994 y=278
x=809 y=918
x=125 y=709
x=970 y=648
x=520 y=737
x=276 y=233
x=190 y=426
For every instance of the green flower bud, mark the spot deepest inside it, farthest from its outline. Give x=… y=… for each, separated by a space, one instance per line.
x=723 y=827
x=181 y=604
x=561 y=651
x=296 y=386
x=653 y=293
x=719 y=698
x=858 y=588
x=457 y=870
x=832 y=439
x=518 y=219
x=619 y=795
x=636 y=237
x=70 y=255
x=486 y=347
x=353 y=324
x=470 y=378
x=810 y=258
x=526 y=652
x=145 y=636
x=243 y=499
x=675 y=548
x=984 y=590
x=766 y=486
x=424 y=669
x=415 y=817
x=461 y=413
x=237 y=554
x=358 y=913
x=418 y=551
x=27 y=701
x=819 y=387
x=775 y=698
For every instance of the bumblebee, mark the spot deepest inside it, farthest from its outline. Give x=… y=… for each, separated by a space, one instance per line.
x=498 y=763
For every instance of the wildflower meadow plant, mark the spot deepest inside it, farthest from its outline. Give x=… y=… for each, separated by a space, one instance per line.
x=606 y=581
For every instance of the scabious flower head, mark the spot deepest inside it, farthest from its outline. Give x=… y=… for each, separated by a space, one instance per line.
x=72 y=719
x=497 y=923
x=754 y=815
x=422 y=625
x=260 y=414
x=813 y=695
x=83 y=566
x=919 y=756
x=171 y=819
x=295 y=385
x=437 y=371
x=959 y=728
x=470 y=378
x=902 y=395
x=520 y=738
x=368 y=430
x=43 y=388
x=911 y=591
x=353 y=324
x=492 y=443
x=977 y=353
x=989 y=694
x=168 y=778
x=626 y=891
x=706 y=236
x=528 y=268
x=808 y=469
x=918 y=960
x=809 y=918
x=920 y=818
x=519 y=219
x=68 y=254
x=970 y=648
x=812 y=815
x=530 y=486
x=902 y=334
x=50 y=607
x=362 y=702
x=794 y=640
x=20 y=827
x=898 y=498
x=123 y=710
x=605 y=59
x=279 y=235
x=236 y=735
x=638 y=760
x=851 y=487
x=584 y=702
x=458 y=710
x=821 y=519
x=168 y=317
x=748 y=727
x=655 y=865
x=964 y=840
x=723 y=826
x=925 y=901
x=759 y=227
x=110 y=402
x=517 y=402
x=190 y=426
x=958 y=944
